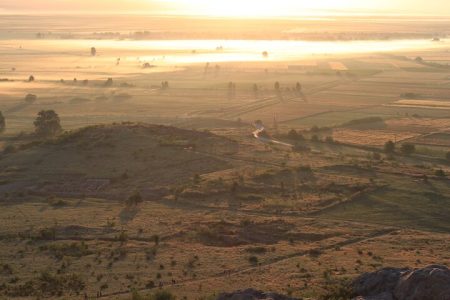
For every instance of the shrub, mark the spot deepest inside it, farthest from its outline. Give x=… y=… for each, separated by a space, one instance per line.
x=408 y=148
x=315 y=138
x=162 y=295
x=363 y=121
x=30 y=98
x=376 y=156
x=256 y=250
x=2 y=122
x=134 y=199
x=9 y=149
x=329 y=140
x=341 y=290
x=253 y=260
x=73 y=250
x=292 y=134
x=439 y=173
x=389 y=147
x=56 y=285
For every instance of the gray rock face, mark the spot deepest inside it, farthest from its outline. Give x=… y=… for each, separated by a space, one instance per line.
x=251 y=294
x=429 y=283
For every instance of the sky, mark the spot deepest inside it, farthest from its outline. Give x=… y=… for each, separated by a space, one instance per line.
x=231 y=8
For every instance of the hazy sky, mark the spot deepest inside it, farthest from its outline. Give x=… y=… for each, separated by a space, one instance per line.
x=231 y=7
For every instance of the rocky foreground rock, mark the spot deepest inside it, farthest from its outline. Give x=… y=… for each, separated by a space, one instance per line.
x=429 y=283
x=251 y=294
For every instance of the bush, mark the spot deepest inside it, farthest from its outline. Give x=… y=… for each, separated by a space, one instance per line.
x=253 y=260
x=376 y=156
x=134 y=199
x=256 y=250
x=163 y=295
x=30 y=98
x=73 y=250
x=292 y=134
x=56 y=285
x=2 y=122
x=408 y=148
x=447 y=156
x=363 y=121
x=9 y=149
x=439 y=173
x=329 y=140
x=389 y=147
x=338 y=291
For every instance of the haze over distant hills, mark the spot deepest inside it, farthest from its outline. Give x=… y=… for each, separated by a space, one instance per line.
x=248 y=8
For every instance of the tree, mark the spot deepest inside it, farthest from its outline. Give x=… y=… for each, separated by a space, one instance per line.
x=277 y=86
x=255 y=90
x=31 y=78
x=389 y=147
x=47 y=123
x=134 y=199
x=93 y=51
x=2 y=122
x=408 y=148
x=109 y=82
x=293 y=134
x=447 y=156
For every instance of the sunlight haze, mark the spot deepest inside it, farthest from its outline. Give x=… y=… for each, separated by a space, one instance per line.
x=232 y=8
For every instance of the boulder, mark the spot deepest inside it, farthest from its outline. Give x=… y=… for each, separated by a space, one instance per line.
x=251 y=294
x=432 y=282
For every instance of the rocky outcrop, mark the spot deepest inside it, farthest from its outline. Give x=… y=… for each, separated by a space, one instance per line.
x=432 y=282
x=251 y=294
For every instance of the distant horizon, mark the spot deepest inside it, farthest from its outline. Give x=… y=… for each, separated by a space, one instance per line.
x=182 y=15
x=230 y=8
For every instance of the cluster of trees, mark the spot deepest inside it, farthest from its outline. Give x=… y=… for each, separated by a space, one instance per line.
x=405 y=148
x=231 y=90
x=164 y=85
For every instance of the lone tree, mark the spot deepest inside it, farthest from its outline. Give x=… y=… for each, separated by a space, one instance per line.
x=47 y=123
x=293 y=134
x=2 y=122
x=31 y=78
x=93 y=51
x=134 y=199
x=276 y=86
x=389 y=147
x=407 y=148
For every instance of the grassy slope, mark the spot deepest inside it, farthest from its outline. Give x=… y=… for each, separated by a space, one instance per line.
x=405 y=203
